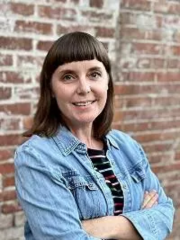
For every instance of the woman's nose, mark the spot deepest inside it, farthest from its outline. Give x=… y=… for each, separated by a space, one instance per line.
x=83 y=87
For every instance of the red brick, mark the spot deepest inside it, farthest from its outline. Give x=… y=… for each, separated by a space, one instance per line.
x=167 y=168
x=33 y=27
x=134 y=89
x=10 y=208
x=119 y=103
x=177 y=156
x=16 y=109
x=157 y=136
x=13 y=43
x=167 y=101
x=146 y=63
x=131 y=127
x=155 y=35
x=125 y=89
x=10 y=140
x=64 y=1
x=138 y=76
x=159 y=158
x=177 y=36
x=14 y=77
x=175 y=50
x=158 y=147
x=5 y=154
x=6 y=168
x=96 y=3
x=127 y=18
x=171 y=20
x=27 y=122
x=58 y=1
x=6 y=60
x=96 y=17
x=8 y=195
x=167 y=7
x=57 y=13
x=174 y=177
x=72 y=28
x=129 y=33
x=145 y=114
x=173 y=63
x=8 y=181
x=147 y=48
x=136 y=5
x=105 y=32
x=22 y=9
x=168 y=76
x=161 y=7
x=5 y=93
x=149 y=125
x=73 y=1
x=118 y=116
x=133 y=102
x=44 y=45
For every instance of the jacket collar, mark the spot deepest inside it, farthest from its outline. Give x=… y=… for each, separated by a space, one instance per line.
x=111 y=141
x=67 y=142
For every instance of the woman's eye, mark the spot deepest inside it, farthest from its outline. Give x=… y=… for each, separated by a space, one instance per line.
x=95 y=74
x=67 y=77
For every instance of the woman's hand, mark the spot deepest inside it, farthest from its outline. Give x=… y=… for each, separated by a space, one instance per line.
x=150 y=199
x=110 y=226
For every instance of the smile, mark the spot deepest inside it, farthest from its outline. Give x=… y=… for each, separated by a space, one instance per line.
x=84 y=103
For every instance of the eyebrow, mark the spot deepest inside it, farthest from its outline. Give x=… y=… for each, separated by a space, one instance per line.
x=66 y=71
x=73 y=71
x=95 y=68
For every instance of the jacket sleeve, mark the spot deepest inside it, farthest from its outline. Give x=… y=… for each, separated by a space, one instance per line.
x=155 y=223
x=49 y=206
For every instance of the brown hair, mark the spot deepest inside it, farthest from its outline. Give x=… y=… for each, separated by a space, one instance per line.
x=75 y=46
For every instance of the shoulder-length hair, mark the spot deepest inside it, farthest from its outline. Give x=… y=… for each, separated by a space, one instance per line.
x=74 y=46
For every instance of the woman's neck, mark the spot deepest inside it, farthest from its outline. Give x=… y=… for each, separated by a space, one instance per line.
x=85 y=135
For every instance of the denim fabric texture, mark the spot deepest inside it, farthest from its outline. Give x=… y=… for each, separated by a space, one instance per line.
x=57 y=187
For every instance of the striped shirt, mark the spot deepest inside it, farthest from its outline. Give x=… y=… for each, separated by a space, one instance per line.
x=102 y=165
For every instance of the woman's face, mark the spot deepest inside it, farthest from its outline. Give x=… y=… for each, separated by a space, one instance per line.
x=80 y=89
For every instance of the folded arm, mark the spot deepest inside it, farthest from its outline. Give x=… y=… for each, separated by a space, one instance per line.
x=48 y=204
x=153 y=223
x=110 y=227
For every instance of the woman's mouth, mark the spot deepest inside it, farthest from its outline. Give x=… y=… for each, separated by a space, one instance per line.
x=84 y=103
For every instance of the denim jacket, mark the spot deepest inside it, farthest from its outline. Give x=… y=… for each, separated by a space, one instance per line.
x=57 y=187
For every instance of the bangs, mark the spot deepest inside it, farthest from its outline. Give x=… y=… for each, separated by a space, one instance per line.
x=78 y=46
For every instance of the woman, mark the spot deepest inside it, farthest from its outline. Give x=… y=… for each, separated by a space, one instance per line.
x=76 y=178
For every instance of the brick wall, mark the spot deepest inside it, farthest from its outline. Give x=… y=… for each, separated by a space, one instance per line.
x=143 y=40
x=148 y=86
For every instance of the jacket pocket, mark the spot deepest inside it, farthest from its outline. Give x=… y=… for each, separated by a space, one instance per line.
x=138 y=175
x=88 y=197
x=137 y=187
x=80 y=182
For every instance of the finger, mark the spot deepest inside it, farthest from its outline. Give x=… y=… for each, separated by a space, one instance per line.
x=152 y=202
x=149 y=199
x=147 y=196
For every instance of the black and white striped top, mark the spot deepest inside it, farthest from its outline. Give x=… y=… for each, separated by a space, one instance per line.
x=102 y=165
